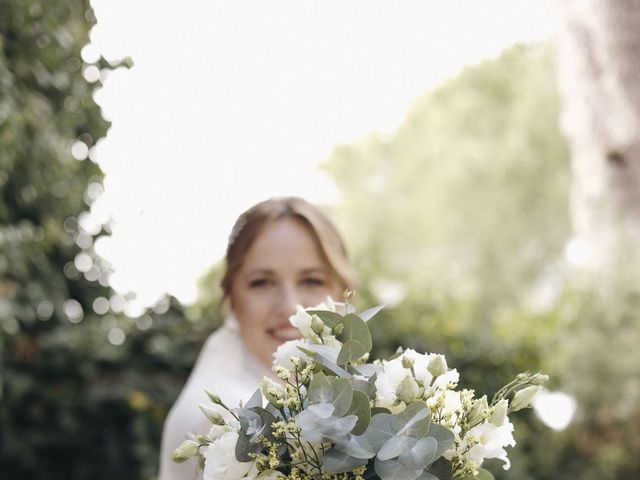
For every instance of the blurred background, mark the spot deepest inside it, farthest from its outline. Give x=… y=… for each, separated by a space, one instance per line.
x=481 y=158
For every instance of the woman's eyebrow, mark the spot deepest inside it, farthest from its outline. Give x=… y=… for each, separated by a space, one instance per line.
x=314 y=270
x=260 y=271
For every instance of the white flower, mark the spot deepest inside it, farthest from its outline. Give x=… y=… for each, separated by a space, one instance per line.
x=217 y=431
x=421 y=368
x=282 y=356
x=221 y=463
x=499 y=414
x=387 y=383
x=491 y=442
x=272 y=391
x=524 y=397
x=302 y=321
x=328 y=304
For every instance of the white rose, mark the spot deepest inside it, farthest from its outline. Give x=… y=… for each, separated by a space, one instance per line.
x=282 y=356
x=220 y=460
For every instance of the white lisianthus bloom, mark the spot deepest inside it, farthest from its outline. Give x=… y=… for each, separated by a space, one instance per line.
x=420 y=363
x=272 y=391
x=332 y=341
x=328 y=304
x=421 y=368
x=492 y=441
x=221 y=463
x=452 y=376
x=302 y=321
x=387 y=383
x=217 y=431
x=284 y=353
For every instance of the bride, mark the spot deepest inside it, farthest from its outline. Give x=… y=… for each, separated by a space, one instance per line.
x=282 y=252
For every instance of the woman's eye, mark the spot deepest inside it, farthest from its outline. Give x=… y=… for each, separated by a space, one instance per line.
x=314 y=282
x=258 y=283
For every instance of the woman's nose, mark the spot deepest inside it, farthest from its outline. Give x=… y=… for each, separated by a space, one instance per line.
x=287 y=301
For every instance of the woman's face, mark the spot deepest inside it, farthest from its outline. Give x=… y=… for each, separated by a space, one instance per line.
x=283 y=268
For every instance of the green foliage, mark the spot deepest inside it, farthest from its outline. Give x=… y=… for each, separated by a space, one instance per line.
x=71 y=405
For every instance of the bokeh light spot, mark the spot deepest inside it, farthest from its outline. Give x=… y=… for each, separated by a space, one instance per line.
x=101 y=305
x=44 y=310
x=116 y=336
x=73 y=310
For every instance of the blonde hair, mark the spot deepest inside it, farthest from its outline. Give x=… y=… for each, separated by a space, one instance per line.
x=250 y=223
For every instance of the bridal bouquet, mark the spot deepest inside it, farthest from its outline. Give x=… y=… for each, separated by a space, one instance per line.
x=334 y=416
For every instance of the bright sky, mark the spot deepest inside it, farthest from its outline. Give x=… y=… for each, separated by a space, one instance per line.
x=233 y=102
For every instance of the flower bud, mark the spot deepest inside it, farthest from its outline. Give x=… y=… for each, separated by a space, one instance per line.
x=185 y=451
x=407 y=390
x=499 y=414
x=428 y=392
x=407 y=362
x=213 y=416
x=317 y=325
x=437 y=365
x=337 y=330
x=478 y=410
x=272 y=391
x=539 y=379
x=214 y=397
x=523 y=398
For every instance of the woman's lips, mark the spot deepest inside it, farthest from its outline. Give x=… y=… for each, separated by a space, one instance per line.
x=284 y=333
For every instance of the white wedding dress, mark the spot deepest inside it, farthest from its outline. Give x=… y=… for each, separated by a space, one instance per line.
x=225 y=366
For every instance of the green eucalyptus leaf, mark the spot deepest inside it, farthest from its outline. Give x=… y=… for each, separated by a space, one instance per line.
x=414 y=420
x=441 y=469
x=429 y=476
x=324 y=361
x=421 y=455
x=336 y=461
x=396 y=445
x=360 y=408
x=379 y=410
x=370 y=313
x=255 y=400
x=355 y=328
x=351 y=351
x=443 y=436
x=330 y=319
x=342 y=392
x=357 y=446
x=394 y=470
x=380 y=430
x=322 y=410
x=320 y=390
x=364 y=386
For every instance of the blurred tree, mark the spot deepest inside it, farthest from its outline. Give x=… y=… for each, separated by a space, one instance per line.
x=599 y=67
x=485 y=146
x=459 y=221
x=71 y=405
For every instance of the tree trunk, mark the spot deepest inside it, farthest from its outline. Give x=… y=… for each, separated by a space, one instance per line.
x=599 y=76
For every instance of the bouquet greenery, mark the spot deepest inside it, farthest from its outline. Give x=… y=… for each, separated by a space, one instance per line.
x=334 y=416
